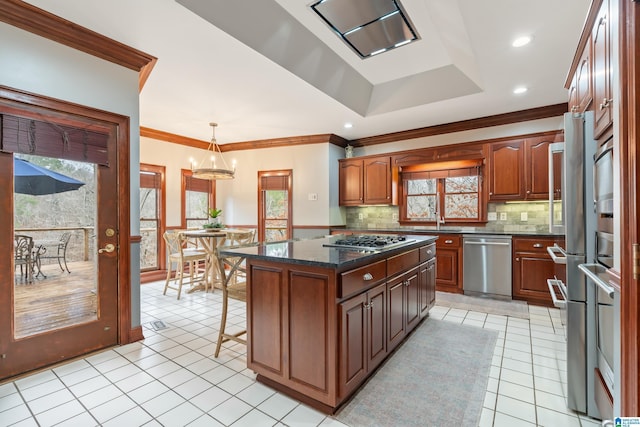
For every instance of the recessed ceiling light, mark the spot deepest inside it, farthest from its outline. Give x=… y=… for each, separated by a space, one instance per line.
x=521 y=41
x=519 y=90
x=348 y=125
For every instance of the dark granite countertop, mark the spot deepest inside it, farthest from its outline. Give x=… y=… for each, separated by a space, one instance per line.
x=444 y=230
x=312 y=252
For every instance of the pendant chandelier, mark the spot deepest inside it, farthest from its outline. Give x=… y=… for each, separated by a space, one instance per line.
x=213 y=172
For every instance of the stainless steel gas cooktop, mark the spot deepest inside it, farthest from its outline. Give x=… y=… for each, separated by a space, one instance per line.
x=370 y=242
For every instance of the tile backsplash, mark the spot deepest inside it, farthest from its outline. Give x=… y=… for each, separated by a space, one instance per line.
x=510 y=217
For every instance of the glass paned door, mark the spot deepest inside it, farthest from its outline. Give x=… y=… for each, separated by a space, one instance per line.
x=276 y=210
x=59 y=259
x=54 y=229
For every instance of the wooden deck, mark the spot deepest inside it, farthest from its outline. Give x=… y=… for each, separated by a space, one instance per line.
x=62 y=299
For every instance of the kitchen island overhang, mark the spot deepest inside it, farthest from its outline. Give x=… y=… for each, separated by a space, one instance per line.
x=320 y=319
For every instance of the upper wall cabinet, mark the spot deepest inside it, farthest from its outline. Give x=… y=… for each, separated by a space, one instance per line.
x=583 y=85
x=536 y=168
x=519 y=169
x=505 y=170
x=366 y=181
x=601 y=40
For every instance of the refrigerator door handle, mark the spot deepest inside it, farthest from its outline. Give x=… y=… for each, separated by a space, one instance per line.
x=554 y=225
x=553 y=251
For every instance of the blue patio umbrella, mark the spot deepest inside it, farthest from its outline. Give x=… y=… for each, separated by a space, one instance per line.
x=36 y=180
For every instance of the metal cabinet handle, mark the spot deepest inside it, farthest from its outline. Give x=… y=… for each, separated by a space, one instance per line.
x=605 y=103
x=366 y=306
x=517 y=259
x=537 y=245
x=448 y=242
x=367 y=276
x=429 y=252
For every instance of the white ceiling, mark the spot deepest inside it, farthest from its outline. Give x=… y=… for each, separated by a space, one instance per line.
x=268 y=69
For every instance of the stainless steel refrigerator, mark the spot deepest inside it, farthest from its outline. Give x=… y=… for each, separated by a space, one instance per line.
x=579 y=223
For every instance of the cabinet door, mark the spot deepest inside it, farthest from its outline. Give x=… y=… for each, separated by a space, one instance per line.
x=573 y=94
x=377 y=180
x=351 y=191
x=603 y=106
x=412 y=295
x=376 y=326
x=537 y=168
x=395 y=312
x=427 y=284
x=447 y=270
x=583 y=79
x=353 y=343
x=531 y=272
x=505 y=171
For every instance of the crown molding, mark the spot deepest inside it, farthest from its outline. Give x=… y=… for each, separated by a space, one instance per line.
x=52 y=27
x=482 y=122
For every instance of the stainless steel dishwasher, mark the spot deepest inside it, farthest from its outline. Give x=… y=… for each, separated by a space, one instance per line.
x=486 y=264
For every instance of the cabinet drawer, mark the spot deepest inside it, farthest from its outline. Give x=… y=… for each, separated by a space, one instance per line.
x=403 y=262
x=448 y=241
x=532 y=245
x=354 y=281
x=427 y=252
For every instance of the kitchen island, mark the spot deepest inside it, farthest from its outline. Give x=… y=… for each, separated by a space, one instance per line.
x=321 y=319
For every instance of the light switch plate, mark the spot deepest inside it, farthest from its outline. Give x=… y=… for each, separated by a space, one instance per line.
x=503 y=216
x=313 y=196
x=492 y=216
x=524 y=216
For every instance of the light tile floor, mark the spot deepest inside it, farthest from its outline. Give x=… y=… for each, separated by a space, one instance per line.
x=171 y=378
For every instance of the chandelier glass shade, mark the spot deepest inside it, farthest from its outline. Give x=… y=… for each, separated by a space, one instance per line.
x=213 y=172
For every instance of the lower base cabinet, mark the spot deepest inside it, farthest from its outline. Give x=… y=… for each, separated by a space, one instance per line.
x=315 y=336
x=363 y=341
x=449 y=263
x=532 y=266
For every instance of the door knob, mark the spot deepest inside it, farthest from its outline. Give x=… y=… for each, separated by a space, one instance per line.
x=108 y=248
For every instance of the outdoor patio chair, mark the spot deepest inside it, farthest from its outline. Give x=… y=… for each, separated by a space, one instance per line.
x=183 y=257
x=56 y=250
x=23 y=251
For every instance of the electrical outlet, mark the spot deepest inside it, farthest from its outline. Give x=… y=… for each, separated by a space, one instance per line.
x=394 y=217
x=503 y=216
x=360 y=216
x=313 y=196
x=492 y=216
x=524 y=216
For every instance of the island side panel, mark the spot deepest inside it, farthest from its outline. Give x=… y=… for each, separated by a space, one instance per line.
x=291 y=323
x=265 y=318
x=312 y=350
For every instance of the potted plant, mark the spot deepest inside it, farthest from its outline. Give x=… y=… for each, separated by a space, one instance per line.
x=215 y=215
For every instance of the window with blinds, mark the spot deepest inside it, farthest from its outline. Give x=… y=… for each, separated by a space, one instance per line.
x=150 y=216
x=198 y=197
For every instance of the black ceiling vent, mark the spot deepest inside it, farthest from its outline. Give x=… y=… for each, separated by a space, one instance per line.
x=369 y=27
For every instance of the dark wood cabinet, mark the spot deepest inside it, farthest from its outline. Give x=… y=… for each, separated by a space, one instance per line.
x=448 y=271
x=519 y=169
x=377 y=180
x=427 y=286
x=317 y=332
x=532 y=266
x=365 y=181
x=536 y=167
x=363 y=341
x=351 y=190
x=602 y=93
x=506 y=178
x=583 y=77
